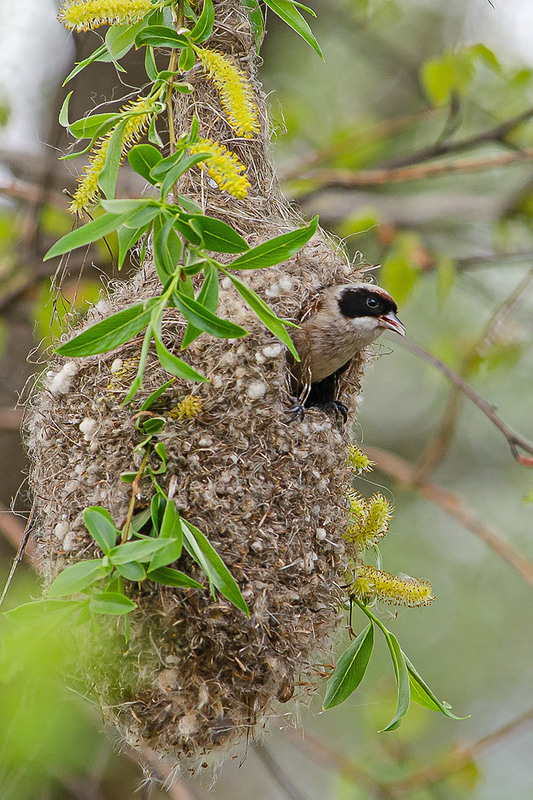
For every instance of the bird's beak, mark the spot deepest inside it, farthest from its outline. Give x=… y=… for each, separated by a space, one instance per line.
x=392 y=322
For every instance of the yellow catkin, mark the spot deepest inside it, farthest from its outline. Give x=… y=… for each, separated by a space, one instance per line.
x=358 y=460
x=87 y=191
x=371 y=582
x=369 y=519
x=223 y=167
x=83 y=15
x=122 y=376
x=189 y=407
x=235 y=91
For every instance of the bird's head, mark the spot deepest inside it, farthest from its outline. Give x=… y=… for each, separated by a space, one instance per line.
x=370 y=309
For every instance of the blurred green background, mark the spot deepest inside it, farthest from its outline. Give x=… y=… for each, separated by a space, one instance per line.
x=398 y=76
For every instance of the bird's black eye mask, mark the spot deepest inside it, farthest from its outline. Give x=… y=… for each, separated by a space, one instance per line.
x=363 y=302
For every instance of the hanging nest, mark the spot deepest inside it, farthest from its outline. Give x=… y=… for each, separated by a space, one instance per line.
x=269 y=495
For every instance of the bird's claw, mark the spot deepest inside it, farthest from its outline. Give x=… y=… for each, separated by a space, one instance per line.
x=339 y=409
x=296 y=412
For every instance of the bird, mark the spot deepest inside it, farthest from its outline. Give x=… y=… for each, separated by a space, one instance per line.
x=338 y=322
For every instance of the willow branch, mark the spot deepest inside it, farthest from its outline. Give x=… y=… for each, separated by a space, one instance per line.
x=460 y=758
x=348 y=179
x=514 y=440
x=406 y=475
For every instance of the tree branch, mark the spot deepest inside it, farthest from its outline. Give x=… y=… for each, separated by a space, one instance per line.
x=404 y=472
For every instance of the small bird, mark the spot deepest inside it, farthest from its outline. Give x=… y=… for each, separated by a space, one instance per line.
x=337 y=324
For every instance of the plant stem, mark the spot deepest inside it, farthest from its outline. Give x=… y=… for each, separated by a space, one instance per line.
x=134 y=493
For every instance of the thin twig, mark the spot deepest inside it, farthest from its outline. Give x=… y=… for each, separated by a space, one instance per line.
x=437 y=448
x=496 y=134
x=515 y=442
x=460 y=758
x=24 y=538
x=278 y=775
x=405 y=474
x=327 y=178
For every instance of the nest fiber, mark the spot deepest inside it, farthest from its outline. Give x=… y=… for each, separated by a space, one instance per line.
x=198 y=675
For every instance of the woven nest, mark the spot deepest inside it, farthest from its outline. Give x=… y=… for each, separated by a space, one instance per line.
x=198 y=675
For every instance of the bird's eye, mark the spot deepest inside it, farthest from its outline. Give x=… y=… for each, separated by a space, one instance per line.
x=372 y=302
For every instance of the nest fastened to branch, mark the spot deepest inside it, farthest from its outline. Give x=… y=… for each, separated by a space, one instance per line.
x=199 y=675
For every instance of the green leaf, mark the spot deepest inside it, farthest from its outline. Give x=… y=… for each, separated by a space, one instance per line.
x=168 y=248
x=187 y=59
x=207 y=297
x=160 y=450
x=422 y=694
x=133 y=571
x=142 y=158
x=153 y=135
x=154 y=425
x=39 y=609
x=86 y=234
x=276 y=250
x=210 y=562
x=119 y=39
x=290 y=14
x=218 y=236
x=107 y=178
x=109 y=333
x=150 y=400
x=170 y=529
x=100 y=54
x=350 y=669
x=402 y=679
x=168 y=576
x=256 y=20
x=206 y=321
x=127 y=207
x=264 y=312
x=63 y=113
x=141 y=550
x=127 y=237
x=174 y=365
x=204 y=26
x=78 y=577
x=161 y=36
x=100 y=525
x=110 y=603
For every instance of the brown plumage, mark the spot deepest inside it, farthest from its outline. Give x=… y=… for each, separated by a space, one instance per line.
x=338 y=323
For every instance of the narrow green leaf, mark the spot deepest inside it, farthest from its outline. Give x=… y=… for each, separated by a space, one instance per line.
x=422 y=694
x=161 y=36
x=153 y=135
x=204 y=26
x=168 y=248
x=127 y=238
x=174 y=365
x=93 y=126
x=142 y=158
x=210 y=562
x=154 y=425
x=140 y=550
x=78 y=577
x=217 y=235
x=127 y=207
x=402 y=679
x=187 y=59
x=107 y=178
x=168 y=576
x=290 y=14
x=133 y=571
x=109 y=333
x=264 y=312
x=100 y=525
x=150 y=400
x=110 y=603
x=350 y=669
x=39 y=609
x=208 y=297
x=160 y=450
x=170 y=529
x=206 y=321
x=276 y=250
x=100 y=54
x=86 y=234
x=119 y=39
x=255 y=16
x=63 y=113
